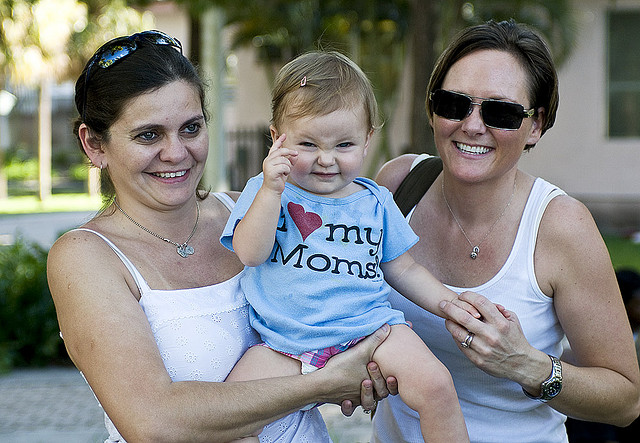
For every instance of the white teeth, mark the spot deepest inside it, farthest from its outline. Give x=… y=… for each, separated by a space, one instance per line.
x=170 y=174
x=472 y=149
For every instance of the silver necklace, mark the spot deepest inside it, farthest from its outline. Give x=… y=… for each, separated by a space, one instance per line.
x=475 y=250
x=184 y=250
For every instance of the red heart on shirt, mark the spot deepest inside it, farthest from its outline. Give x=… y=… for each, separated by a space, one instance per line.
x=307 y=222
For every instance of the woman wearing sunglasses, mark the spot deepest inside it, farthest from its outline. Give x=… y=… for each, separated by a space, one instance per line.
x=147 y=298
x=533 y=252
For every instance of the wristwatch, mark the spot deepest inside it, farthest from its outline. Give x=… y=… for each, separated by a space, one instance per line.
x=552 y=385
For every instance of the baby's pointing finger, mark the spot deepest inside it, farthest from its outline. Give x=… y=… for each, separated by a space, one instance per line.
x=277 y=144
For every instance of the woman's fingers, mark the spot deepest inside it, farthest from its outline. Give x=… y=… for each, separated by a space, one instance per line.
x=377 y=381
x=368 y=401
x=467 y=307
x=374 y=340
x=347 y=408
x=353 y=364
x=376 y=385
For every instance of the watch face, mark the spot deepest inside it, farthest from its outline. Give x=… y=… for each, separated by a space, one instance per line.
x=553 y=389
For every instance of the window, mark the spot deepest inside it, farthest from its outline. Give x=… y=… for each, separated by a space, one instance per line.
x=624 y=73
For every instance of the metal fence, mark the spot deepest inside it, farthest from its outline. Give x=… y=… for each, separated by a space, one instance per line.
x=246 y=149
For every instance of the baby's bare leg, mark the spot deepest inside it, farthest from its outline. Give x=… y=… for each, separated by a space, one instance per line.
x=424 y=384
x=261 y=362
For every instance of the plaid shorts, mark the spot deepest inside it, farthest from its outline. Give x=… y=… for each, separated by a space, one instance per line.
x=320 y=357
x=314 y=360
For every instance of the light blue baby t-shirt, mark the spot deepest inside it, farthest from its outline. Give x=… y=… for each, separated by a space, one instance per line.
x=322 y=284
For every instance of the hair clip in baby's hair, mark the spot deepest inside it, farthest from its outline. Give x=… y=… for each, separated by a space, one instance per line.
x=303 y=82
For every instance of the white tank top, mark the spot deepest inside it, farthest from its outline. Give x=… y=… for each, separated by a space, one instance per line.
x=201 y=334
x=495 y=409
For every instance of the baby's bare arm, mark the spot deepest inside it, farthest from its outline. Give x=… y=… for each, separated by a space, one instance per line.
x=417 y=284
x=254 y=236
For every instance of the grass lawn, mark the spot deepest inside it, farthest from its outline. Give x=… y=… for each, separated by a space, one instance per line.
x=625 y=254
x=56 y=203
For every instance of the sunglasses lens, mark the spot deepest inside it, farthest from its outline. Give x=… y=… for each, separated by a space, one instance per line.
x=160 y=38
x=502 y=115
x=495 y=113
x=450 y=105
x=115 y=53
x=120 y=47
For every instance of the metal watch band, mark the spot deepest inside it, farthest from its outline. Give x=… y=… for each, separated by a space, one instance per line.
x=552 y=385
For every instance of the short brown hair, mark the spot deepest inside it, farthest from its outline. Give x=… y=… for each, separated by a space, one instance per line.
x=318 y=83
x=524 y=44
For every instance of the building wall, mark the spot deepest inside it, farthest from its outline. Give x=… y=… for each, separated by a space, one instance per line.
x=171 y=19
x=576 y=153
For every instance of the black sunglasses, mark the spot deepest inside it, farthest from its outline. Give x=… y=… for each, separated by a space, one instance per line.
x=119 y=48
x=497 y=114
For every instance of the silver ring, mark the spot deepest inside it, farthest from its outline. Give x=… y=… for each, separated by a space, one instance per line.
x=375 y=405
x=467 y=341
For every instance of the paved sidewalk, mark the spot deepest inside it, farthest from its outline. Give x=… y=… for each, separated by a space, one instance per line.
x=51 y=405
x=43 y=228
x=55 y=405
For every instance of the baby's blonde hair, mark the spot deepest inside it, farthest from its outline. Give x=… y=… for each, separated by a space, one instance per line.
x=318 y=83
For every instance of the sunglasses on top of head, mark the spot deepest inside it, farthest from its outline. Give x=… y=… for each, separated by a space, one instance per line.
x=497 y=114
x=119 y=48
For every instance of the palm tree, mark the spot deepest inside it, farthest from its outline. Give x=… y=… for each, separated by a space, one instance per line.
x=36 y=35
x=45 y=41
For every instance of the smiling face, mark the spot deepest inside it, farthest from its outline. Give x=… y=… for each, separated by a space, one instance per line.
x=331 y=150
x=158 y=147
x=471 y=150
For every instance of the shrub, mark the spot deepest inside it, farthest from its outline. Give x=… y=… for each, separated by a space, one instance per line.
x=22 y=170
x=28 y=323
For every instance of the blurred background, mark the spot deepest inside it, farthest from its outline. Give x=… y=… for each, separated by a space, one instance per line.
x=46 y=186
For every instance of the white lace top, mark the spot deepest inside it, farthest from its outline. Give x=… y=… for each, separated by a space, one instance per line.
x=201 y=334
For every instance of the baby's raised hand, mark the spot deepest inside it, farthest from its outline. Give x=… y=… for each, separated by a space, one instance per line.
x=277 y=165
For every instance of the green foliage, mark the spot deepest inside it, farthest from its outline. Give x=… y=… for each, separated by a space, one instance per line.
x=625 y=254
x=375 y=34
x=555 y=19
x=79 y=172
x=22 y=170
x=28 y=323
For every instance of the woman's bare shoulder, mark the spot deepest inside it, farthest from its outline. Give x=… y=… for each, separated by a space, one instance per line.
x=567 y=231
x=80 y=252
x=394 y=171
x=567 y=218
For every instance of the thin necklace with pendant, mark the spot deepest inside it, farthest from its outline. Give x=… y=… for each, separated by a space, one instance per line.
x=475 y=250
x=184 y=249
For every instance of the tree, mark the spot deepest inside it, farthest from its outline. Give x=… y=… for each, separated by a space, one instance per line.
x=46 y=41
x=36 y=34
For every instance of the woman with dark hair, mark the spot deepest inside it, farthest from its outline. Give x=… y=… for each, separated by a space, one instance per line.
x=147 y=298
x=488 y=227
